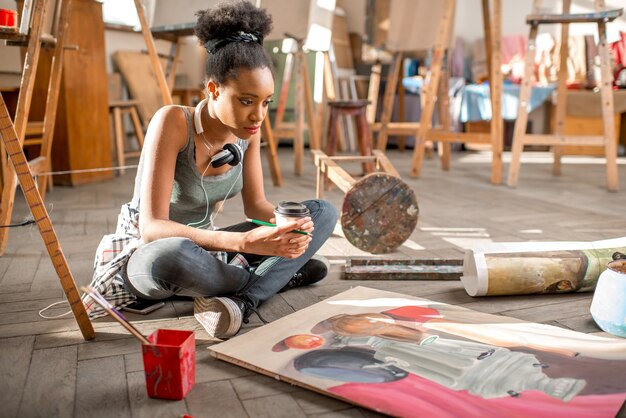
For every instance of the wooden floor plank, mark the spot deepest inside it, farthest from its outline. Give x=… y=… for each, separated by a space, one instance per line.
x=101 y=389
x=315 y=404
x=51 y=383
x=144 y=407
x=277 y=406
x=14 y=365
x=214 y=399
x=260 y=386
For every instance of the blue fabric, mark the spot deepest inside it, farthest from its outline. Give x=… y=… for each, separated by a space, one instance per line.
x=475 y=103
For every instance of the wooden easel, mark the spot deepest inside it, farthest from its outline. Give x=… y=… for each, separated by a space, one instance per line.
x=296 y=61
x=558 y=139
x=13 y=143
x=423 y=129
x=42 y=163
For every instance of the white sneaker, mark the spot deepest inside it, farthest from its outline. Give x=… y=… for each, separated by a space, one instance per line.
x=221 y=317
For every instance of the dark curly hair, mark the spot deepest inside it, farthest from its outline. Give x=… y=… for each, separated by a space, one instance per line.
x=224 y=20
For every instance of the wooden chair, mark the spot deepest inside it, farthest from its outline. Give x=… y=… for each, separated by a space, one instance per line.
x=118 y=108
x=557 y=139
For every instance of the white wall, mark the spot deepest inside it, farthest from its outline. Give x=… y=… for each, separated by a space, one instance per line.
x=468 y=22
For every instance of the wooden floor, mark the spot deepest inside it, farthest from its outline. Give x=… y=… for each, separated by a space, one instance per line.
x=48 y=370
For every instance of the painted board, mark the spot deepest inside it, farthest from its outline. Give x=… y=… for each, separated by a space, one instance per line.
x=311 y=20
x=518 y=268
x=379 y=213
x=167 y=12
x=414 y=24
x=138 y=74
x=400 y=355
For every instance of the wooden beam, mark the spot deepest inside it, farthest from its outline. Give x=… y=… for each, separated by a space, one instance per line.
x=40 y=214
x=154 y=56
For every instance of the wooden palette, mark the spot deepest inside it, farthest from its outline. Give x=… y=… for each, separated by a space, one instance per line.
x=379 y=213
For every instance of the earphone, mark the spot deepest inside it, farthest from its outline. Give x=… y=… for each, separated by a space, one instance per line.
x=230 y=154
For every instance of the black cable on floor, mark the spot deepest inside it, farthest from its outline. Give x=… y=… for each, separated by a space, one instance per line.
x=28 y=222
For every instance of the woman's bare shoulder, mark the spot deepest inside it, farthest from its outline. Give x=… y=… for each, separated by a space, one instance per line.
x=172 y=114
x=170 y=122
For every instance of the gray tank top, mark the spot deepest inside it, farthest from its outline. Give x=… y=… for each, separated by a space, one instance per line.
x=188 y=203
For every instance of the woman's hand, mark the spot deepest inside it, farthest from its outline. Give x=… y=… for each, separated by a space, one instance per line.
x=307 y=226
x=279 y=241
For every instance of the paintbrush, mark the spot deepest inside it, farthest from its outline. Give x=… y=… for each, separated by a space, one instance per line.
x=263 y=223
x=115 y=314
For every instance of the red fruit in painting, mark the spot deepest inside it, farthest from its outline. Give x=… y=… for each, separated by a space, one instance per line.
x=304 y=341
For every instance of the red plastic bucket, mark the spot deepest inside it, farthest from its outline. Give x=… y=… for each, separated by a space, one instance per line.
x=8 y=17
x=170 y=363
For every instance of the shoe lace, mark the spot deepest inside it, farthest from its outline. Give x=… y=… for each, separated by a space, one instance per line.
x=296 y=280
x=248 y=310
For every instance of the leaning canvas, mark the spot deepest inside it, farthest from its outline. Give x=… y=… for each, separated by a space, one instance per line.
x=406 y=356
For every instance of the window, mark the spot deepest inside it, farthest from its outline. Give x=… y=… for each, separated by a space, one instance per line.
x=123 y=12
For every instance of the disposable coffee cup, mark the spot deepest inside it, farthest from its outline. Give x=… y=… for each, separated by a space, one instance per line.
x=287 y=212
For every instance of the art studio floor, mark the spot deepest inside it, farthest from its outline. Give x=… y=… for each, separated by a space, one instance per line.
x=48 y=369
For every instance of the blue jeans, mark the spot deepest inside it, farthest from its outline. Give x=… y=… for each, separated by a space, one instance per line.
x=178 y=266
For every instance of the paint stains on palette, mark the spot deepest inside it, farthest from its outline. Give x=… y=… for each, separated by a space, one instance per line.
x=379 y=213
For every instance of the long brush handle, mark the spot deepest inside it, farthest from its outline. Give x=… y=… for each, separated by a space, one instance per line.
x=114 y=314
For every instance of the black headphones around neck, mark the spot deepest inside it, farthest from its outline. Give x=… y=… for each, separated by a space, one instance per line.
x=231 y=153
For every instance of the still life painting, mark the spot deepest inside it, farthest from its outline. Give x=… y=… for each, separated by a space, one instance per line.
x=398 y=354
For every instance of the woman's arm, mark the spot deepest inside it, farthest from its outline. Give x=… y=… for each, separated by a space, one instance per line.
x=166 y=136
x=255 y=203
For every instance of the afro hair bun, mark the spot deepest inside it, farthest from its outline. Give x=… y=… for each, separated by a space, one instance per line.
x=229 y=17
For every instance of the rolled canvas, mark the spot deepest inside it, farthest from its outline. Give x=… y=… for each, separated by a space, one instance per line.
x=537 y=267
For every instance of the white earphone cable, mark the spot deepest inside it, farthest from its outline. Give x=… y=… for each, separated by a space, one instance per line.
x=201 y=223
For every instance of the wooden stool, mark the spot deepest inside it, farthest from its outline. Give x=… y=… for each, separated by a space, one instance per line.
x=608 y=141
x=119 y=108
x=350 y=108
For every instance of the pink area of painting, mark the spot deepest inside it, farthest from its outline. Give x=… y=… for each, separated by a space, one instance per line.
x=414 y=313
x=416 y=396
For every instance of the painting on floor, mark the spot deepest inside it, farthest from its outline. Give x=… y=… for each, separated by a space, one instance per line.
x=401 y=355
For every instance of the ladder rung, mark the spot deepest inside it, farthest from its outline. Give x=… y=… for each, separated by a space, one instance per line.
x=38 y=165
x=34 y=128
x=563 y=140
x=398 y=128
x=161 y=55
x=124 y=103
x=466 y=137
x=606 y=16
x=33 y=141
x=17 y=39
